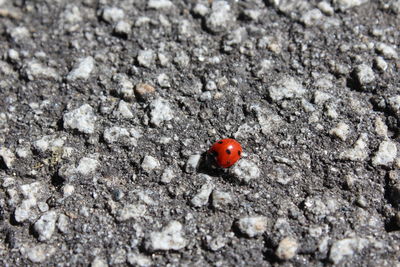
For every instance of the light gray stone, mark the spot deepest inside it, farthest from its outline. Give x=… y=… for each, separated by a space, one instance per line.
x=286 y=88
x=146 y=58
x=150 y=163
x=169 y=238
x=82 y=119
x=160 y=112
x=359 y=152
x=131 y=211
x=345 y=248
x=253 y=226
x=287 y=248
x=245 y=171
x=38 y=253
x=112 y=14
x=341 y=131
x=220 y=17
x=203 y=195
x=82 y=69
x=140 y=260
x=387 y=51
x=87 y=166
x=46 y=225
x=347 y=4
x=35 y=70
x=386 y=154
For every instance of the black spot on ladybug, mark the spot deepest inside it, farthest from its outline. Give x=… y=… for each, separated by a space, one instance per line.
x=220 y=142
x=239 y=153
x=228 y=152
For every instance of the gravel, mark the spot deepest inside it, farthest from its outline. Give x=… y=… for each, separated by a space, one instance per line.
x=170 y=238
x=108 y=109
x=253 y=226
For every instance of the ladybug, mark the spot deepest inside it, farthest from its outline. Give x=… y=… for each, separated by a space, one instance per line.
x=226 y=152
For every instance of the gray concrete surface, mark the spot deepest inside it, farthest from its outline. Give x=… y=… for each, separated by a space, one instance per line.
x=108 y=107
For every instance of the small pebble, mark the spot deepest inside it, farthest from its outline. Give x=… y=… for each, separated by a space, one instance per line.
x=46 y=225
x=341 y=131
x=253 y=226
x=144 y=90
x=146 y=58
x=169 y=238
x=287 y=248
x=82 y=119
x=99 y=262
x=386 y=154
x=220 y=199
x=345 y=248
x=161 y=111
x=359 y=152
x=82 y=69
x=286 y=88
x=167 y=176
x=192 y=163
x=112 y=14
x=150 y=163
x=387 y=51
x=203 y=195
x=245 y=171
x=364 y=74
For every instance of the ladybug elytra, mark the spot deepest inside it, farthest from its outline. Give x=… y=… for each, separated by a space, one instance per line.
x=226 y=152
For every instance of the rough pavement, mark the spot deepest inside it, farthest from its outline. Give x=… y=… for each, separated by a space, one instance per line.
x=107 y=108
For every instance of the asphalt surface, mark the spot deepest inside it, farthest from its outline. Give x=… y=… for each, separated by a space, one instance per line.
x=108 y=109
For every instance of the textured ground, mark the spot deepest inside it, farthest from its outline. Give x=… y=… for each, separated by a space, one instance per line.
x=107 y=108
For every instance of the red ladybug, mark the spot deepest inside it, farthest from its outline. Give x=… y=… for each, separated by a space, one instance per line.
x=226 y=152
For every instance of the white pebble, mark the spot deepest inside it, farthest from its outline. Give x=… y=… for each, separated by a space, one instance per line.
x=326 y=8
x=46 y=225
x=131 y=211
x=34 y=70
x=347 y=4
x=386 y=154
x=112 y=14
x=146 y=58
x=245 y=171
x=286 y=88
x=253 y=226
x=364 y=73
x=160 y=111
x=38 y=253
x=139 y=260
x=167 y=176
x=82 y=69
x=159 y=4
x=312 y=17
x=220 y=199
x=192 y=163
x=287 y=248
x=124 y=110
x=387 y=51
x=99 y=262
x=346 y=248
x=170 y=238
x=82 y=119
x=150 y=163
x=203 y=195
x=380 y=64
x=8 y=157
x=87 y=166
x=359 y=152
x=341 y=131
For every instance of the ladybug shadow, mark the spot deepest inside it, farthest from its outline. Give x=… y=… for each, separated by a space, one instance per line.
x=208 y=166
